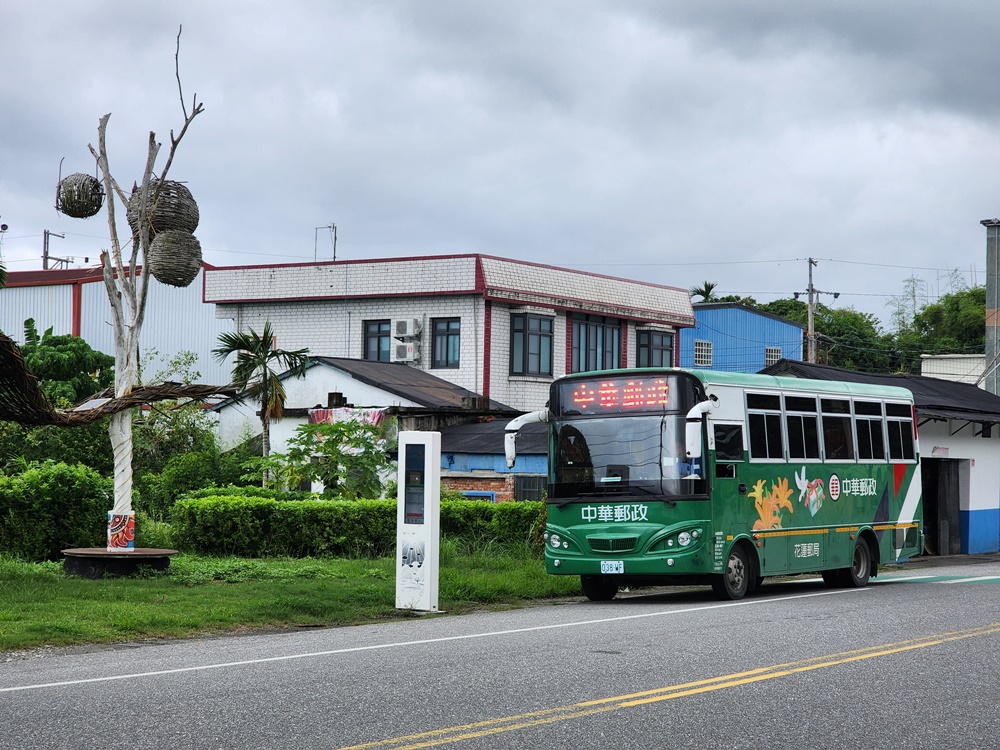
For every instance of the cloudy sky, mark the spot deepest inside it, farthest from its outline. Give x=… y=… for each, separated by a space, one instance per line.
x=674 y=141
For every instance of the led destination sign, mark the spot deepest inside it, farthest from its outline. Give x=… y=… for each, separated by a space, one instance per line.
x=615 y=395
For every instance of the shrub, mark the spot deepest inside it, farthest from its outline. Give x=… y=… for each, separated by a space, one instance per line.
x=184 y=473
x=233 y=490
x=152 y=533
x=53 y=506
x=262 y=526
x=253 y=524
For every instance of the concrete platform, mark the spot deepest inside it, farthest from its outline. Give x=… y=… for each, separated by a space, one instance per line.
x=97 y=562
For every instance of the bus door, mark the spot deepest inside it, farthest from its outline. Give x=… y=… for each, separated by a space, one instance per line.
x=732 y=487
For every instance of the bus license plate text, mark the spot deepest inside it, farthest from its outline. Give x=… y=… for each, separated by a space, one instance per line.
x=612 y=566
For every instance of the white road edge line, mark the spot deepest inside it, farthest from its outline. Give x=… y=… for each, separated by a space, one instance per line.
x=403 y=644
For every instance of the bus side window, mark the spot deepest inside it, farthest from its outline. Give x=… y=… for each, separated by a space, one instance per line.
x=728 y=442
x=764 y=426
x=838 y=435
x=803 y=430
x=900 y=427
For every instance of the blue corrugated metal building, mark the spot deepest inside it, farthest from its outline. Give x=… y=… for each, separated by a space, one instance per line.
x=736 y=338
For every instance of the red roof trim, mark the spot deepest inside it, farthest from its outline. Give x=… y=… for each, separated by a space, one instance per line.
x=52 y=277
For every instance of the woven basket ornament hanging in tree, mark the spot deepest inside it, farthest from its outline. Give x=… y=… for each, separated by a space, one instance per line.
x=174 y=257
x=79 y=196
x=174 y=208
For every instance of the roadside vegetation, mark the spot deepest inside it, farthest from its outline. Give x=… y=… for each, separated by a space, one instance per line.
x=198 y=595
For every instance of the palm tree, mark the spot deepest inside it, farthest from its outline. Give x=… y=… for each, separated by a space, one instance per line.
x=706 y=291
x=253 y=373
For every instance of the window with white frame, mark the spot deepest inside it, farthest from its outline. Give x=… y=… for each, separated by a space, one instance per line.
x=702 y=353
x=771 y=355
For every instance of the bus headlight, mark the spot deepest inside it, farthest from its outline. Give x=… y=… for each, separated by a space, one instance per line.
x=684 y=539
x=554 y=540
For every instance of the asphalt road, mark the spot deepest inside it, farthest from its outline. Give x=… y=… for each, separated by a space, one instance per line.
x=913 y=661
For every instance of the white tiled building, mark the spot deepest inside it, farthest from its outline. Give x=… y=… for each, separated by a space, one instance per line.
x=501 y=328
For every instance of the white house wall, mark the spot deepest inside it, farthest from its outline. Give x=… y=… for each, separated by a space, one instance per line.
x=522 y=391
x=239 y=421
x=322 y=306
x=979 y=501
x=961 y=368
x=335 y=328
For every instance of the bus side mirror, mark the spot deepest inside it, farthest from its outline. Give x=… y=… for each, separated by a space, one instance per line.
x=692 y=437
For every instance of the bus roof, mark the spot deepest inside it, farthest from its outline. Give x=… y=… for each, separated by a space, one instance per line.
x=776 y=382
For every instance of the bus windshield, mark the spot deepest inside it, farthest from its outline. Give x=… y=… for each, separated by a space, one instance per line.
x=615 y=456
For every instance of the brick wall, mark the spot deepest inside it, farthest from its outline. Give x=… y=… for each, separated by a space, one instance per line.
x=502 y=486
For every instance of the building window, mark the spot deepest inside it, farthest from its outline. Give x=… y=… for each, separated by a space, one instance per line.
x=596 y=343
x=377 y=340
x=445 y=334
x=654 y=349
x=530 y=344
x=771 y=355
x=702 y=353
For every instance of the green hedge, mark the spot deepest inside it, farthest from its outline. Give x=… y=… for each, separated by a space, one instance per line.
x=261 y=526
x=51 y=507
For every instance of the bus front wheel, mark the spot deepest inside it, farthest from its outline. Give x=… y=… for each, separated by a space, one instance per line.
x=735 y=581
x=599 y=588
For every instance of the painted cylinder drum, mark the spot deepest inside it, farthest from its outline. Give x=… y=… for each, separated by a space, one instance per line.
x=121 y=532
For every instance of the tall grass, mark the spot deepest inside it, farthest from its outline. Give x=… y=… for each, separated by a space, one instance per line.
x=40 y=606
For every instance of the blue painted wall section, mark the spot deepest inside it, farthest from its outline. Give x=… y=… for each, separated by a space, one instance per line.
x=739 y=336
x=980 y=531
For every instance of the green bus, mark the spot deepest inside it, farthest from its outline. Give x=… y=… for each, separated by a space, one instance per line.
x=699 y=477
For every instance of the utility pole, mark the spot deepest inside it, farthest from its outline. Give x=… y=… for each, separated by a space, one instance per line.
x=813 y=293
x=812 y=313
x=45 y=247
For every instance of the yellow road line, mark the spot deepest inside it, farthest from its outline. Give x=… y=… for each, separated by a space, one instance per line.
x=437 y=737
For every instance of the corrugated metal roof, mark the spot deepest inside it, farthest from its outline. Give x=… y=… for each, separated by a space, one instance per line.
x=932 y=397
x=409 y=382
x=487 y=438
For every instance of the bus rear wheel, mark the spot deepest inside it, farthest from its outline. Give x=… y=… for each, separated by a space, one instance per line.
x=599 y=588
x=735 y=581
x=833 y=578
x=857 y=575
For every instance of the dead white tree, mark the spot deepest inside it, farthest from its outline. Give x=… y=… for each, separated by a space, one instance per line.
x=126 y=279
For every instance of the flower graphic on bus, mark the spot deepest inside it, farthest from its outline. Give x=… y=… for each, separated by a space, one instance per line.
x=770 y=504
x=811 y=492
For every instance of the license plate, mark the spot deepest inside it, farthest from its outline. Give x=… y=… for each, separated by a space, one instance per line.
x=612 y=566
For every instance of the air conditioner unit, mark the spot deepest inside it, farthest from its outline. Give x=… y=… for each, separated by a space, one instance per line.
x=406 y=328
x=405 y=351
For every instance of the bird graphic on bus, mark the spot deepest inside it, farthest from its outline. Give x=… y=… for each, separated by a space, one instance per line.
x=811 y=492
